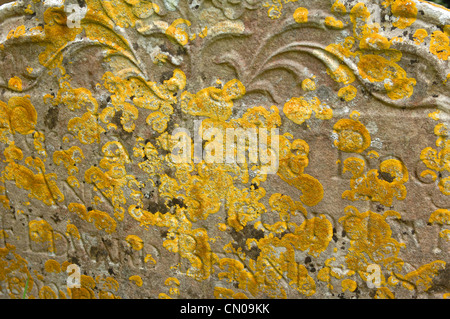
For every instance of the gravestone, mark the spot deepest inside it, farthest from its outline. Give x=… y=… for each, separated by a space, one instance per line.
x=224 y=149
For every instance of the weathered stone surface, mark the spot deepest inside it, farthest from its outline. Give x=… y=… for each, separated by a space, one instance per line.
x=94 y=92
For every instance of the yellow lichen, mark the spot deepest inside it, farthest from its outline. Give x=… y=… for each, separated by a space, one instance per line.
x=371 y=241
x=52 y=266
x=419 y=36
x=333 y=23
x=422 y=278
x=308 y=85
x=137 y=280
x=347 y=93
x=15 y=83
x=381 y=185
x=338 y=7
x=213 y=102
x=440 y=45
x=405 y=11
x=72 y=230
x=301 y=15
x=353 y=136
x=135 y=242
x=300 y=109
x=41 y=232
x=440 y=216
x=348 y=284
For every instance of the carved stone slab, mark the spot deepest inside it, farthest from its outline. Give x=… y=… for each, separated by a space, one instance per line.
x=224 y=149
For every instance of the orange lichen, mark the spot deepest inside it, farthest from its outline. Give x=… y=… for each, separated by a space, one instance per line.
x=19 y=115
x=381 y=185
x=101 y=220
x=225 y=293
x=348 y=284
x=41 y=186
x=147 y=95
x=178 y=33
x=438 y=161
x=312 y=236
x=86 y=128
x=359 y=15
x=353 y=136
x=126 y=13
x=149 y=258
x=52 y=266
x=419 y=36
x=301 y=15
x=434 y=115
x=440 y=45
x=15 y=83
x=14 y=272
x=308 y=85
x=293 y=159
x=347 y=93
x=57 y=35
x=371 y=241
x=384 y=293
x=213 y=102
x=41 y=232
x=74 y=99
x=137 y=280
x=342 y=74
x=405 y=11
x=342 y=50
x=135 y=242
x=376 y=68
x=47 y=293
x=440 y=216
x=300 y=109
x=70 y=158
x=333 y=23
x=72 y=230
x=422 y=278
x=338 y=7
x=183 y=197
x=375 y=60
x=285 y=207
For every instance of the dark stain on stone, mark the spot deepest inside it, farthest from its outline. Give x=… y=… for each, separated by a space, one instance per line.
x=241 y=237
x=74 y=260
x=51 y=118
x=159 y=206
x=165 y=76
x=116 y=120
x=55 y=218
x=176 y=202
x=441 y=282
x=386 y=176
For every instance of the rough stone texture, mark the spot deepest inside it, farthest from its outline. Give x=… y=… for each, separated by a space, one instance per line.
x=358 y=90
